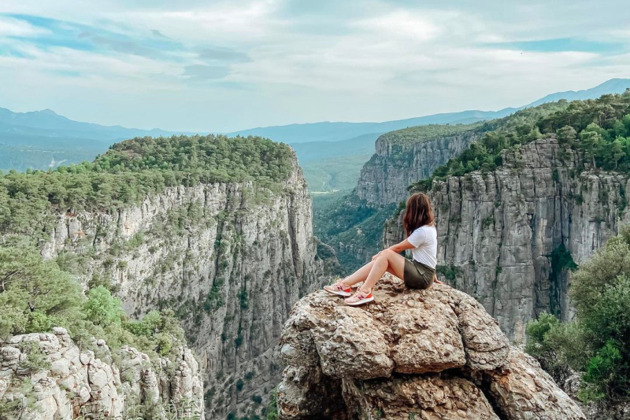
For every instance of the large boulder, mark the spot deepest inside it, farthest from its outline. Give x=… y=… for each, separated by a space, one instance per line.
x=424 y=354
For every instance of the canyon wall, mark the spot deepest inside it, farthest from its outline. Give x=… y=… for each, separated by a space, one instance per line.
x=510 y=236
x=397 y=164
x=229 y=258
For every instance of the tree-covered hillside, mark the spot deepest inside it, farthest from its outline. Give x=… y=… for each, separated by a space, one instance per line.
x=424 y=133
x=600 y=129
x=130 y=170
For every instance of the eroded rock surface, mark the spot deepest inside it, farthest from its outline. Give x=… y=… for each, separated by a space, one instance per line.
x=47 y=376
x=425 y=354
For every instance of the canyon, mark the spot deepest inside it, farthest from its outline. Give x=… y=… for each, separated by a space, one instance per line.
x=229 y=258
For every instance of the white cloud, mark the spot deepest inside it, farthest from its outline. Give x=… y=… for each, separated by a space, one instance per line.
x=14 y=27
x=401 y=24
x=233 y=64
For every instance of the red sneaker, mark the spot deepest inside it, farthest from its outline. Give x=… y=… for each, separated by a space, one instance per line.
x=359 y=298
x=339 y=289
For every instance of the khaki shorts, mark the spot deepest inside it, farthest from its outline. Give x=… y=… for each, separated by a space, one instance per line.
x=418 y=275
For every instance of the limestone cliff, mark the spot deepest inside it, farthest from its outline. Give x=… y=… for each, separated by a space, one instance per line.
x=396 y=164
x=353 y=224
x=47 y=376
x=508 y=236
x=425 y=354
x=229 y=258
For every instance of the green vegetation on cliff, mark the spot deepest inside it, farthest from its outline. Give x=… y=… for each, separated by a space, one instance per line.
x=423 y=133
x=36 y=295
x=599 y=129
x=597 y=342
x=131 y=170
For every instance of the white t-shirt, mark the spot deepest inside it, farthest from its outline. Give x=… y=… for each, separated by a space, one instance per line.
x=425 y=241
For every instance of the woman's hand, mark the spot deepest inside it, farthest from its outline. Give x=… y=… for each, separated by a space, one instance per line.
x=376 y=256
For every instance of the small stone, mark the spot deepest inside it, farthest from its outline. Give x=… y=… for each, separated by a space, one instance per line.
x=86 y=357
x=9 y=353
x=59 y=331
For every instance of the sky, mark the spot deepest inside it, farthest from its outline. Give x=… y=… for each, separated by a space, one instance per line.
x=224 y=65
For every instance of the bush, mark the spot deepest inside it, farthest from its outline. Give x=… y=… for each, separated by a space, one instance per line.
x=239 y=384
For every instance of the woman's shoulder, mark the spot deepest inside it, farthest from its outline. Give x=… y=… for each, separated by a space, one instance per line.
x=431 y=229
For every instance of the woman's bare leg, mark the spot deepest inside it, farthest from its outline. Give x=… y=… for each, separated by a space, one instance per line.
x=359 y=275
x=387 y=260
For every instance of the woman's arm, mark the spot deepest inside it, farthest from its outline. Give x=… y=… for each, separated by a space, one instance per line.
x=401 y=246
x=398 y=248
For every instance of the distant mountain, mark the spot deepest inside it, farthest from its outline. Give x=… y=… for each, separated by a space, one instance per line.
x=338 y=131
x=43 y=139
x=610 y=86
x=50 y=124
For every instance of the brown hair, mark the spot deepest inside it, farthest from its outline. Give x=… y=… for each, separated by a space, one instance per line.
x=418 y=212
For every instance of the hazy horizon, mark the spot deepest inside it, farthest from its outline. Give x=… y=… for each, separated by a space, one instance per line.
x=226 y=66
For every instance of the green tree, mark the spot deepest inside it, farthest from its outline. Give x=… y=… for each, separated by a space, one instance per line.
x=34 y=294
x=567 y=135
x=591 y=141
x=102 y=308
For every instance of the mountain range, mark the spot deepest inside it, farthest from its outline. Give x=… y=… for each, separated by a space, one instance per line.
x=331 y=153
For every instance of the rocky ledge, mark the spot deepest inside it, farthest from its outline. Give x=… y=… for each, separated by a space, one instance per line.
x=46 y=376
x=413 y=354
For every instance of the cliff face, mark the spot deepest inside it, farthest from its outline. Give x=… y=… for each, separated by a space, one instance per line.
x=230 y=259
x=396 y=165
x=508 y=236
x=46 y=376
x=429 y=354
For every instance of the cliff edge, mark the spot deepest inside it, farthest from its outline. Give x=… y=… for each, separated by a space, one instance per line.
x=425 y=354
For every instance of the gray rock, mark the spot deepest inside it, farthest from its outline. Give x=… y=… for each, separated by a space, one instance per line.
x=94 y=387
x=394 y=359
x=522 y=390
x=393 y=167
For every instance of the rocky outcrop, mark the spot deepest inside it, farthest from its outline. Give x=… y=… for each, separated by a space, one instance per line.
x=47 y=376
x=230 y=259
x=396 y=165
x=508 y=236
x=425 y=354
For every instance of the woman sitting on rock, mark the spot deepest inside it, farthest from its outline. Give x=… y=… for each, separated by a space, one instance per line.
x=418 y=273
